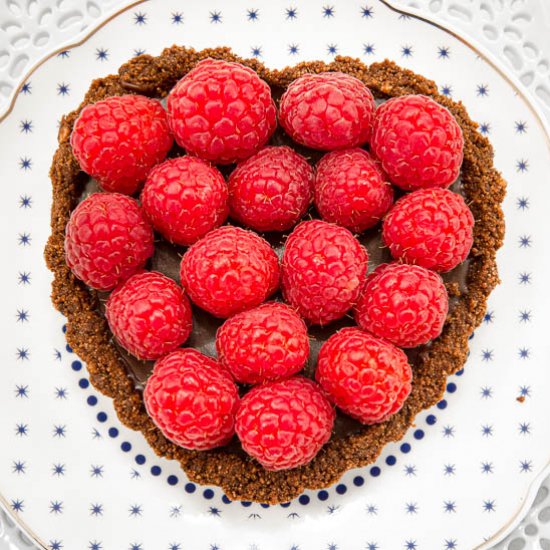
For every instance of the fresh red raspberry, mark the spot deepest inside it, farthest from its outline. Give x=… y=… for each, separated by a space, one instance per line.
x=433 y=228
x=351 y=189
x=272 y=190
x=266 y=343
x=149 y=315
x=323 y=271
x=192 y=399
x=221 y=111
x=229 y=270
x=405 y=304
x=185 y=198
x=284 y=424
x=366 y=377
x=119 y=139
x=327 y=111
x=107 y=239
x=418 y=141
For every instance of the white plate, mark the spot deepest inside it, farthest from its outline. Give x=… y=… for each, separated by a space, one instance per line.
x=77 y=479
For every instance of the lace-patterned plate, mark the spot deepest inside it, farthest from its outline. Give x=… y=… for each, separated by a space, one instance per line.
x=514 y=30
x=75 y=478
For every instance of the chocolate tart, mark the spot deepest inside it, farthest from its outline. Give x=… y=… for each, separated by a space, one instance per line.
x=121 y=377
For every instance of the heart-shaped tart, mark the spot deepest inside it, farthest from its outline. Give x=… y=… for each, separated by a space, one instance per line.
x=265 y=399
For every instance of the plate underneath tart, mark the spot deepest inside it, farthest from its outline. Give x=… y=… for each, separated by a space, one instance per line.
x=470 y=460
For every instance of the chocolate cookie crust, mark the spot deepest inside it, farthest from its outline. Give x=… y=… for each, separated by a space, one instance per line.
x=88 y=333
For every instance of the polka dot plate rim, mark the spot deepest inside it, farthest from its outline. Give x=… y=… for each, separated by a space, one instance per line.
x=69 y=462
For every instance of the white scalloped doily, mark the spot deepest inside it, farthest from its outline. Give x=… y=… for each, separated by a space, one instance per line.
x=516 y=31
x=31 y=30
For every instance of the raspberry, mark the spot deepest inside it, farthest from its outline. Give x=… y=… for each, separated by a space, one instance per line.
x=432 y=228
x=192 y=400
x=185 y=198
x=272 y=190
x=351 y=189
x=229 y=270
x=107 y=239
x=266 y=343
x=327 y=111
x=119 y=139
x=323 y=271
x=284 y=424
x=221 y=111
x=418 y=141
x=405 y=304
x=367 y=378
x=149 y=315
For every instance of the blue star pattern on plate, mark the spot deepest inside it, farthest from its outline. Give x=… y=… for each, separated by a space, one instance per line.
x=177 y=18
x=521 y=126
x=61 y=393
x=216 y=17
x=63 y=89
x=524 y=278
x=372 y=509
x=448 y=431
x=26 y=126
x=293 y=49
x=367 y=12
x=96 y=471
x=482 y=90
x=522 y=203
x=449 y=506
x=140 y=18
x=101 y=54
x=486 y=392
x=447 y=90
x=449 y=469
x=22 y=354
x=25 y=163
x=368 y=49
x=17 y=505
x=489 y=505
x=522 y=165
x=58 y=470
x=19 y=467
x=526 y=466
x=24 y=278
x=25 y=201
x=22 y=391
x=485 y=128
x=291 y=13
x=56 y=507
x=66 y=388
